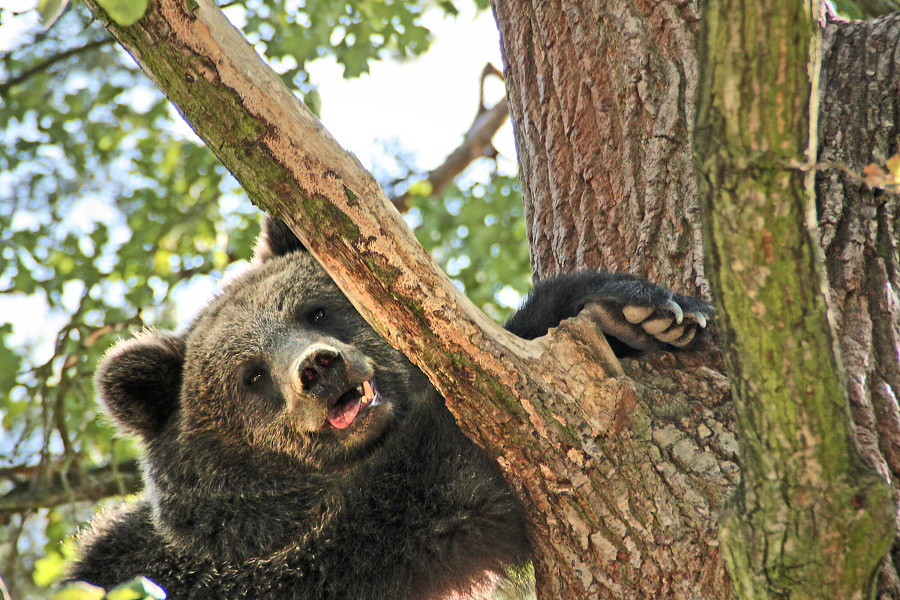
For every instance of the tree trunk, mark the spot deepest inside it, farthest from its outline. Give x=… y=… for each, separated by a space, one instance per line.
x=601 y=98
x=859 y=124
x=809 y=520
x=602 y=104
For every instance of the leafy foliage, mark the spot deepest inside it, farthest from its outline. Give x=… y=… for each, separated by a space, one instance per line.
x=477 y=235
x=354 y=33
x=111 y=211
x=140 y=588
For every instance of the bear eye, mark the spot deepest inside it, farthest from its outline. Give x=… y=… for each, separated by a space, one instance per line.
x=254 y=377
x=316 y=316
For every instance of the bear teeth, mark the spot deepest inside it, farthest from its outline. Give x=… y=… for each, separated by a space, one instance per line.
x=368 y=393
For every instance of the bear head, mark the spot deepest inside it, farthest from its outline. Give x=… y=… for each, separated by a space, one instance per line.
x=279 y=374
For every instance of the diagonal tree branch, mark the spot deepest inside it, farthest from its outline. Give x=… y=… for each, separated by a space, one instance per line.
x=90 y=485
x=476 y=143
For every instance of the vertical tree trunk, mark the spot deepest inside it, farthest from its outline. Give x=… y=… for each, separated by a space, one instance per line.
x=601 y=97
x=859 y=124
x=809 y=521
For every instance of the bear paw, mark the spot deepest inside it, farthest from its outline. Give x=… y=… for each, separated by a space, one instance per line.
x=643 y=327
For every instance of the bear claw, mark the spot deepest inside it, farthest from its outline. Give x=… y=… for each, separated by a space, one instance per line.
x=668 y=323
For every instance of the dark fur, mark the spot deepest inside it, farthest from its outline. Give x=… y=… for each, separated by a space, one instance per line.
x=251 y=495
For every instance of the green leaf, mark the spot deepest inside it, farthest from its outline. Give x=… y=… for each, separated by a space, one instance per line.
x=448 y=8
x=422 y=187
x=139 y=588
x=48 y=569
x=50 y=11
x=124 y=12
x=10 y=363
x=78 y=591
x=893 y=167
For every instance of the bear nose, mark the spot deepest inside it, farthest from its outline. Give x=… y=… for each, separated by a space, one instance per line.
x=314 y=365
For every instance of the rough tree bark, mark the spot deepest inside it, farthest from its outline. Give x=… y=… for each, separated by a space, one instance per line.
x=602 y=104
x=624 y=477
x=601 y=99
x=859 y=227
x=805 y=491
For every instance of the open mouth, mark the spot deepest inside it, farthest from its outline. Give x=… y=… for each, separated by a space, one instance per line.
x=352 y=404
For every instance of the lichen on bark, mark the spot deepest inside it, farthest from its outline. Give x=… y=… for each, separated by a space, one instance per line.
x=810 y=520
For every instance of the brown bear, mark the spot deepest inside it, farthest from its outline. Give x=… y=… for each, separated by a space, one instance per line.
x=290 y=452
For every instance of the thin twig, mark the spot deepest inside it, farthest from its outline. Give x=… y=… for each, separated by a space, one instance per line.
x=43 y=66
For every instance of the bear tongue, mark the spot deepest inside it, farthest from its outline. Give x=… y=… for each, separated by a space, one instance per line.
x=342 y=415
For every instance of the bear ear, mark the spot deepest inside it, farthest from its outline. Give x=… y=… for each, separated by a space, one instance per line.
x=139 y=382
x=276 y=239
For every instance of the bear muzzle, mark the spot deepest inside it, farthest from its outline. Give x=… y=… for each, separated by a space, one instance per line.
x=338 y=378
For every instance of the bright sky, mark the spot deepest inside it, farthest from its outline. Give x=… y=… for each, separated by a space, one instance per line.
x=426 y=105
